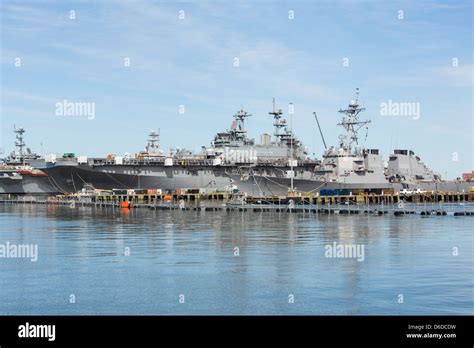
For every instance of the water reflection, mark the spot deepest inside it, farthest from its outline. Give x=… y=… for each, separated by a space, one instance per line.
x=195 y=252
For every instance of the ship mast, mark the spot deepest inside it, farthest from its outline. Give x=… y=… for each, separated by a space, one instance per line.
x=19 y=143
x=153 y=141
x=351 y=123
x=279 y=122
x=291 y=150
x=240 y=117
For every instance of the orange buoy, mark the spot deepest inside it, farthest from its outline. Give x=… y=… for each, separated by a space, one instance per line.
x=124 y=204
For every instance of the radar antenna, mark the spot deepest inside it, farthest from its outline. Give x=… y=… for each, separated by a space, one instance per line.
x=153 y=141
x=19 y=143
x=240 y=117
x=351 y=123
x=279 y=122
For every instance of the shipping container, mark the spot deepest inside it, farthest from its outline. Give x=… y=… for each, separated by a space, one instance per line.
x=193 y=191
x=343 y=192
x=119 y=192
x=335 y=192
x=327 y=192
x=140 y=191
x=151 y=191
x=130 y=192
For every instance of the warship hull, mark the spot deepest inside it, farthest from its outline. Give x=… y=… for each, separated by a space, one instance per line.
x=70 y=179
x=262 y=185
x=27 y=185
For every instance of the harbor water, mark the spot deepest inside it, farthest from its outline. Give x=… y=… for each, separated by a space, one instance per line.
x=111 y=261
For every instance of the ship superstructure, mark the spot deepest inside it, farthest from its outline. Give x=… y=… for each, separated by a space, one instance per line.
x=22 y=154
x=233 y=146
x=350 y=162
x=405 y=166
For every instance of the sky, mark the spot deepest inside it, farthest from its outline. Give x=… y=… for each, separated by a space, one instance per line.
x=172 y=66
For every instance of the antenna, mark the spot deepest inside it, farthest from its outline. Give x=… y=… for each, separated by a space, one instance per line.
x=153 y=141
x=351 y=124
x=278 y=124
x=239 y=129
x=19 y=143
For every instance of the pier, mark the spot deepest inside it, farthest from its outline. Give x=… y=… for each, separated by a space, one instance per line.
x=422 y=204
x=314 y=199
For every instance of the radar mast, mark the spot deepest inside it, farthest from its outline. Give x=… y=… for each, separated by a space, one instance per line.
x=153 y=141
x=19 y=143
x=351 y=123
x=240 y=130
x=279 y=122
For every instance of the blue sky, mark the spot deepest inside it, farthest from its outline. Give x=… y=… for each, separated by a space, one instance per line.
x=190 y=62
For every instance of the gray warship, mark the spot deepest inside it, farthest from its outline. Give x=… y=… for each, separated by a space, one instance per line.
x=278 y=165
x=350 y=167
x=231 y=155
x=20 y=173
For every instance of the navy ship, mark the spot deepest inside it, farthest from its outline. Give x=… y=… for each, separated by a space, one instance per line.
x=350 y=167
x=231 y=155
x=20 y=172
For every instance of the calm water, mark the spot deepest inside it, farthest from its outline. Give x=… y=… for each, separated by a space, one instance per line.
x=82 y=252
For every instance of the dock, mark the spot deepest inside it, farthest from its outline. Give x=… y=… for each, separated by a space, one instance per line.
x=426 y=204
x=310 y=199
